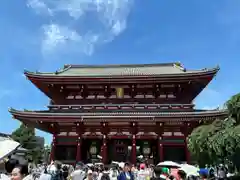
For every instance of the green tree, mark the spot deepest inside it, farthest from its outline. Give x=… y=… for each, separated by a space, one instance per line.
x=26 y=137
x=233 y=107
x=200 y=143
x=46 y=153
x=219 y=141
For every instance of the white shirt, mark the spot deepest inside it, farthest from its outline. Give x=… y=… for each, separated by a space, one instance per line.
x=78 y=174
x=4 y=177
x=113 y=174
x=142 y=174
x=44 y=176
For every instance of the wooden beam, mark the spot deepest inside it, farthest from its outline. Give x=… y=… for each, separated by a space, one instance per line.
x=122 y=101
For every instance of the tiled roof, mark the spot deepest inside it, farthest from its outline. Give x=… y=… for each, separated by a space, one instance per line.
x=124 y=70
x=109 y=114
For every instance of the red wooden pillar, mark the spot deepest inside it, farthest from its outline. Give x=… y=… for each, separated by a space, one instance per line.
x=79 y=152
x=160 y=131
x=53 y=148
x=134 y=150
x=160 y=149
x=134 y=131
x=80 y=131
x=187 y=153
x=187 y=131
x=104 y=150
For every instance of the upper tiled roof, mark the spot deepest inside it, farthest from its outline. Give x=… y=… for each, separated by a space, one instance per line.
x=124 y=70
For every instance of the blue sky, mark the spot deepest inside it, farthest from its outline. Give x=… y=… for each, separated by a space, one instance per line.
x=44 y=35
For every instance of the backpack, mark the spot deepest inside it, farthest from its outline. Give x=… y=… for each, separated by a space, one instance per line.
x=105 y=176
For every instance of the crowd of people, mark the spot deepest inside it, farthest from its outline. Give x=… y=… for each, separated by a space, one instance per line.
x=122 y=171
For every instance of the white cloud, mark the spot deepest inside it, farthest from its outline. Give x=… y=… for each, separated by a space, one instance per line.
x=210 y=99
x=58 y=36
x=210 y=107
x=110 y=17
x=39 y=6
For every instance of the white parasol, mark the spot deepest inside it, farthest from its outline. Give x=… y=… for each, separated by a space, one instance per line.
x=99 y=157
x=189 y=169
x=170 y=164
x=121 y=164
x=90 y=164
x=7 y=147
x=99 y=163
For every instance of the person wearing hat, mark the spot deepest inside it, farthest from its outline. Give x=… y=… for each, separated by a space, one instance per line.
x=164 y=173
x=142 y=173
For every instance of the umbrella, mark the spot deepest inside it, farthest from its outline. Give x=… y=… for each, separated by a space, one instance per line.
x=115 y=162
x=121 y=164
x=203 y=171
x=189 y=169
x=99 y=157
x=170 y=164
x=89 y=164
x=99 y=163
x=7 y=147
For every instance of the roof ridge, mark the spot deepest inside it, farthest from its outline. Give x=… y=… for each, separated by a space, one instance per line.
x=119 y=65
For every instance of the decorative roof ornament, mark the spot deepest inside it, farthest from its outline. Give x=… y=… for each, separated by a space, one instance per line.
x=180 y=66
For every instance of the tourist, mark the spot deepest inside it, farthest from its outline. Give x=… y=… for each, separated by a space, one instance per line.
x=104 y=175
x=78 y=173
x=164 y=173
x=134 y=171
x=65 y=172
x=89 y=175
x=95 y=173
x=113 y=174
x=45 y=176
x=9 y=166
x=126 y=173
x=222 y=172
x=143 y=174
x=19 y=172
x=182 y=175
x=156 y=173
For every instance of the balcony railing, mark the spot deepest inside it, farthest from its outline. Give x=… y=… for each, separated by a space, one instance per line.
x=123 y=107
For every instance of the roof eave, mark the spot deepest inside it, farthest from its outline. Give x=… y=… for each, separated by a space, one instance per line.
x=206 y=113
x=30 y=75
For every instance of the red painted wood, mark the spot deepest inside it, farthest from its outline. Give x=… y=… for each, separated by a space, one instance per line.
x=67 y=143
x=53 y=149
x=188 y=155
x=173 y=137
x=145 y=137
x=173 y=143
x=65 y=136
x=104 y=151
x=78 y=157
x=118 y=137
x=134 y=150
x=161 y=151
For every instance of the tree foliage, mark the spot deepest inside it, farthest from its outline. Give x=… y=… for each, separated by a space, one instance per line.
x=46 y=153
x=26 y=137
x=219 y=141
x=233 y=106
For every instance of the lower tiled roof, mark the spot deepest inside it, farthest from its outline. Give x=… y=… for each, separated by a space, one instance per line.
x=134 y=114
